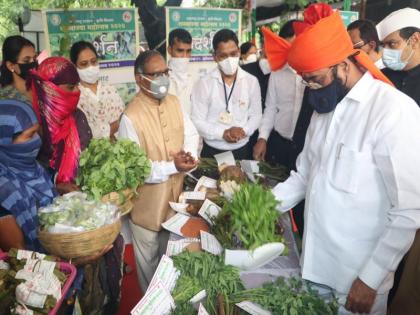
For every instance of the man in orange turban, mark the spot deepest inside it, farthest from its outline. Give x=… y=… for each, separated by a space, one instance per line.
x=358 y=170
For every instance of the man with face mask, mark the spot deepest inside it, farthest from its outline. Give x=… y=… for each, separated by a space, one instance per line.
x=399 y=33
x=179 y=50
x=358 y=169
x=226 y=103
x=155 y=121
x=364 y=36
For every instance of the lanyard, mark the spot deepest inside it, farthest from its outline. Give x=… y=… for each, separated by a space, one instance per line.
x=227 y=98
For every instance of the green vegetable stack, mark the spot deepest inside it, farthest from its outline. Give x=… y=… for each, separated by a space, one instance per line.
x=249 y=220
x=287 y=297
x=204 y=271
x=106 y=167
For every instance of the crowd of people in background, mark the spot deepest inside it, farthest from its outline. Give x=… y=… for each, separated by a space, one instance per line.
x=338 y=107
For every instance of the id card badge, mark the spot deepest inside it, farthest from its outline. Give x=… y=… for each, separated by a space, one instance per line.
x=225 y=118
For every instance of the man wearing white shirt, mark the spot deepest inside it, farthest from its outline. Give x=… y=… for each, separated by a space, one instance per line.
x=281 y=113
x=179 y=50
x=358 y=171
x=154 y=120
x=364 y=36
x=226 y=103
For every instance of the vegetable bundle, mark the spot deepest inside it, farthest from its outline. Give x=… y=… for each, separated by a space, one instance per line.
x=204 y=271
x=249 y=220
x=287 y=297
x=106 y=167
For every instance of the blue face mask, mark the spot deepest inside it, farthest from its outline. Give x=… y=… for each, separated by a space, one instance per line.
x=392 y=58
x=325 y=100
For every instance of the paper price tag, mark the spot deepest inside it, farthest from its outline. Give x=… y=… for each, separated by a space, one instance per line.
x=175 y=223
x=165 y=273
x=252 y=308
x=226 y=158
x=179 y=207
x=156 y=301
x=209 y=210
x=27 y=254
x=207 y=182
x=194 y=195
x=210 y=244
x=177 y=247
x=202 y=310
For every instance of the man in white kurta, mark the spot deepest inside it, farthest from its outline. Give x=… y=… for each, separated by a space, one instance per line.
x=358 y=171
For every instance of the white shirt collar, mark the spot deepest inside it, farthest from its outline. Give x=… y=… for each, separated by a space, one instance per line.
x=361 y=88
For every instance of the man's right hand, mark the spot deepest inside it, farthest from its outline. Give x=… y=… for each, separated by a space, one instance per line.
x=234 y=134
x=184 y=161
x=260 y=149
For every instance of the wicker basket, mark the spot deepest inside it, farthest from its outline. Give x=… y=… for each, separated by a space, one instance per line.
x=124 y=202
x=81 y=244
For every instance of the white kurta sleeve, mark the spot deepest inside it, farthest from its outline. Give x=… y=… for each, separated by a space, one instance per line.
x=270 y=111
x=200 y=100
x=293 y=190
x=191 y=137
x=255 y=109
x=397 y=156
x=161 y=170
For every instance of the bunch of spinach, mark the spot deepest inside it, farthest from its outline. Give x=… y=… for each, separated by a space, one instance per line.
x=249 y=219
x=105 y=167
x=208 y=272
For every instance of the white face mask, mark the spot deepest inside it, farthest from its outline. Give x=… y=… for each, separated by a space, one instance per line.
x=392 y=58
x=251 y=58
x=89 y=75
x=178 y=64
x=229 y=66
x=265 y=66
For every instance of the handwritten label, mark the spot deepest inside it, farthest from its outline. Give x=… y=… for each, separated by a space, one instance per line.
x=252 y=308
x=210 y=244
x=194 y=195
x=156 y=301
x=179 y=207
x=209 y=210
x=175 y=223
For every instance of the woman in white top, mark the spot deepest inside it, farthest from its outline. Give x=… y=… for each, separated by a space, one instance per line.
x=100 y=102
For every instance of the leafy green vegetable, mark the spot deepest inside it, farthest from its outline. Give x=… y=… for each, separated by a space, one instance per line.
x=287 y=297
x=106 y=167
x=207 y=272
x=249 y=219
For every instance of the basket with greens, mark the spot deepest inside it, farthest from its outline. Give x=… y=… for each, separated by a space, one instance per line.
x=113 y=171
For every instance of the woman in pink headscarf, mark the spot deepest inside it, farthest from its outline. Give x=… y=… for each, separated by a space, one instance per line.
x=65 y=131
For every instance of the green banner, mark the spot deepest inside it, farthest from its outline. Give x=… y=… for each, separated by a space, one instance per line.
x=203 y=24
x=349 y=16
x=111 y=31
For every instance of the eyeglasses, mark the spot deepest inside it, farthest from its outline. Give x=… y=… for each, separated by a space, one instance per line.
x=359 y=45
x=316 y=85
x=155 y=75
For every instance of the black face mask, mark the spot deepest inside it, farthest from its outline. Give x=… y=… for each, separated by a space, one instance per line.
x=325 y=100
x=25 y=68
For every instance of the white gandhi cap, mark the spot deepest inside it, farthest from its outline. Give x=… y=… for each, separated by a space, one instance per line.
x=397 y=20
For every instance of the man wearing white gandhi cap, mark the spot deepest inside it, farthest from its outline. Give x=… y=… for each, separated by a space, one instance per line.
x=399 y=33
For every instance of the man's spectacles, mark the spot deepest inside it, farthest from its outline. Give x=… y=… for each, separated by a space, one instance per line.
x=156 y=75
x=315 y=85
x=359 y=45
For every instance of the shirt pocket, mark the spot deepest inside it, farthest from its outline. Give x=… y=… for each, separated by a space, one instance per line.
x=240 y=109
x=347 y=169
